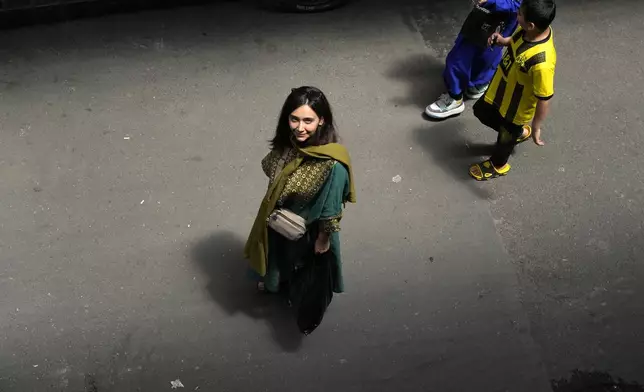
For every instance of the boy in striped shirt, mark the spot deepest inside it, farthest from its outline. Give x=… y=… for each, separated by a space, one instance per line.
x=521 y=88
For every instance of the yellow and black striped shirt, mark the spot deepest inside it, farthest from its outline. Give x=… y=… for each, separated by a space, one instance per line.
x=526 y=73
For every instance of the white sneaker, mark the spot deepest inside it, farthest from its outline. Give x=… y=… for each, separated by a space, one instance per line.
x=444 y=107
x=476 y=93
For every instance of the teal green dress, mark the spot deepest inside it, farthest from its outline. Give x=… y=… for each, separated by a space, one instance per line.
x=317 y=191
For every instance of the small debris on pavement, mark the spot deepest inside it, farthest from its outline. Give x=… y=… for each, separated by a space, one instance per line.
x=126 y=138
x=176 y=384
x=396 y=179
x=142 y=201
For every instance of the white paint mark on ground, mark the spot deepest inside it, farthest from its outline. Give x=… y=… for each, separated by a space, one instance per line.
x=177 y=384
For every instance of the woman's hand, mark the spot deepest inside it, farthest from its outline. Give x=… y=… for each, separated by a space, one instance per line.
x=322 y=243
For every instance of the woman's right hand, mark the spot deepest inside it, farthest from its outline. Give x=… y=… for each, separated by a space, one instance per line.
x=322 y=243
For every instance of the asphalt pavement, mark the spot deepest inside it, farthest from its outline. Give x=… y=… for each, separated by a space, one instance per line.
x=129 y=166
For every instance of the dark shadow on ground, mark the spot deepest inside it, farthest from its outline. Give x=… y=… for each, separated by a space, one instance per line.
x=21 y=15
x=423 y=74
x=69 y=11
x=594 y=382
x=452 y=151
x=220 y=257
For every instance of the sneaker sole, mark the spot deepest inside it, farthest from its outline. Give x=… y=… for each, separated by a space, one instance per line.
x=477 y=96
x=445 y=114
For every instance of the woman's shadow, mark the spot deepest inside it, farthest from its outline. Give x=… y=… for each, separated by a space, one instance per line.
x=220 y=256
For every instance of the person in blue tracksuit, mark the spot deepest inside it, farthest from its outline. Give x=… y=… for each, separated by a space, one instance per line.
x=469 y=67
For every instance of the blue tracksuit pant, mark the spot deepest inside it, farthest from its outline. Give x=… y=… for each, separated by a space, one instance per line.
x=468 y=65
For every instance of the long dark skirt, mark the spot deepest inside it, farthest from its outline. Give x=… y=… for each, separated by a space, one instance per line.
x=305 y=278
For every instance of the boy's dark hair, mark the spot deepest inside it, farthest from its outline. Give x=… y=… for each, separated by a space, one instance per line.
x=539 y=12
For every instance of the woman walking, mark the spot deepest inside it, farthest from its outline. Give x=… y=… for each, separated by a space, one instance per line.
x=294 y=245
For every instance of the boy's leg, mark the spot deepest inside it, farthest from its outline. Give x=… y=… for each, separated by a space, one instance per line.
x=483 y=67
x=455 y=76
x=497 y=165
x=507 y=139
x=488 y=114
x=505 y=143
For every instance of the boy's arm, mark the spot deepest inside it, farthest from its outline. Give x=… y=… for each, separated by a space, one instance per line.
x=543 y=84
x=498 y=39
x=543 y=107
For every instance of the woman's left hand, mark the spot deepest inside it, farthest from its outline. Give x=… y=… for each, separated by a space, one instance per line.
x=322 y=243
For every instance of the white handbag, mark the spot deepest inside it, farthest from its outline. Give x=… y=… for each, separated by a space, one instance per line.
x=287 y=223
x=284 y=221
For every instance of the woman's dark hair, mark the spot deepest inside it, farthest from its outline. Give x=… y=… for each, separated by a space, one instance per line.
x=539 y=12
x=313 y=97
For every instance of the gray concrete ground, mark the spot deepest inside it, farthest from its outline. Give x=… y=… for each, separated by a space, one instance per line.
x=129 y=159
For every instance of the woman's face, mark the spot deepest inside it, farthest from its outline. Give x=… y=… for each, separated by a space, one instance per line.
x=304 y=122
